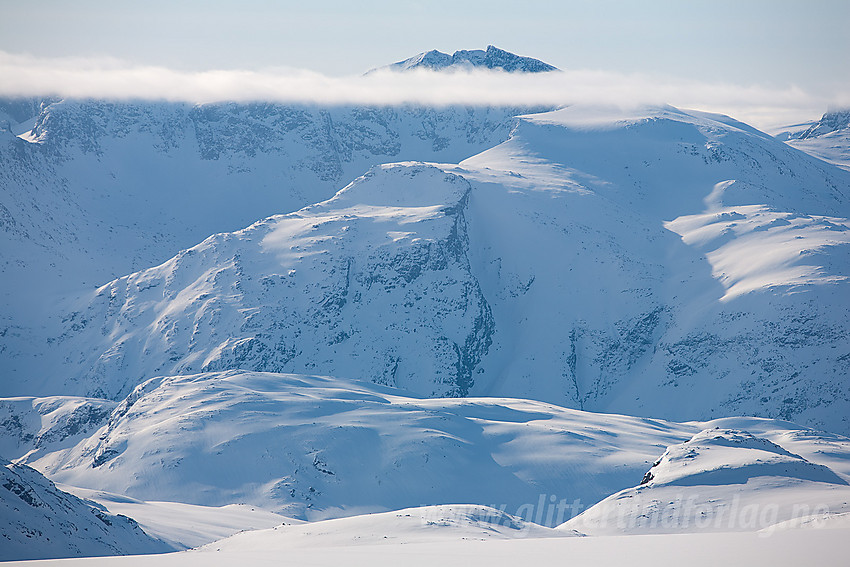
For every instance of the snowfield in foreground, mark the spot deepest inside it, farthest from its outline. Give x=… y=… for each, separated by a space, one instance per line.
x=790 y=549
x=314 y=448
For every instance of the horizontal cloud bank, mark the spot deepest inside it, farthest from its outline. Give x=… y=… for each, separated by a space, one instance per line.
x=24 y=75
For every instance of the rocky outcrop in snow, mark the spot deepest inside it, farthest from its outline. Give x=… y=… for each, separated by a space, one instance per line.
x=39 y=521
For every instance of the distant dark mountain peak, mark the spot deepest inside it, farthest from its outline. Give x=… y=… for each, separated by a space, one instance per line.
x=491 y=58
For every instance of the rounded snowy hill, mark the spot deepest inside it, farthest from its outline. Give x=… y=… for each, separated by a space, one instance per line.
x=653 y=262
x=726 y=479
x=317 y=447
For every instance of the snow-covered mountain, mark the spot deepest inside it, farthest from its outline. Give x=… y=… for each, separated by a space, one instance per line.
x=491 y=58
x=91 y=190
x=729 y=480
x=39 y=521
x=410 y=277
x=670 y=215
x=827 y=138
x=410 y=360
x=315 y=448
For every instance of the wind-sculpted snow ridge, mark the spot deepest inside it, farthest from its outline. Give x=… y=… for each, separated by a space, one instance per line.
x=725 y=480
x=39 y=521
x=491 y=58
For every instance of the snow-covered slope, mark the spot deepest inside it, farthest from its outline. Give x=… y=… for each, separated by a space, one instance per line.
x=43 y=425
x=426 y=524
x=827 y=138
x=314 y=447
x=726 y=480
x=792 y=548
x=90 y=190
x=658 y=262
x=39 y=521
x=185 y=526
x=492 y=58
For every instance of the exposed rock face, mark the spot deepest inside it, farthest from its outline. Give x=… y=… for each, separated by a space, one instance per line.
x=39 y=521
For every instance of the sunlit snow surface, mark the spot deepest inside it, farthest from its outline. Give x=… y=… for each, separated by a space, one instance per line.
x=725 y=480
x=699 y=550
x=752 y=248
x=315 y=447
x=658 y=262
x=633 y=262
x=183 y=526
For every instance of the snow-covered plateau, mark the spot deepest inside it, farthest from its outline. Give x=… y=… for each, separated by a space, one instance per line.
x=454 y=335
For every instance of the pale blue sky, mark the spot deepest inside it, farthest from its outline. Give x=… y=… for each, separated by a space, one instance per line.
x=765 y=42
